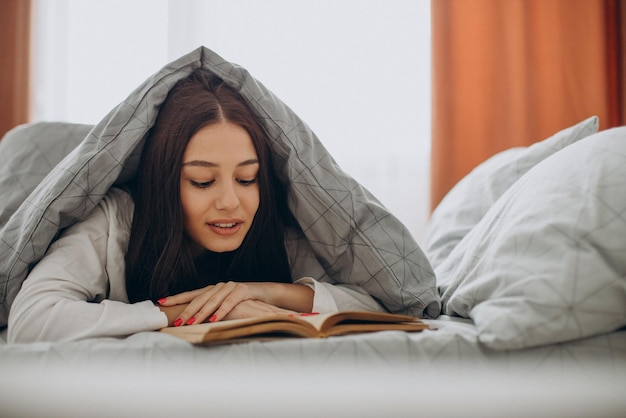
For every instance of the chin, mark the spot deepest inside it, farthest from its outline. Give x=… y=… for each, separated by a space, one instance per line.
x=223 y=247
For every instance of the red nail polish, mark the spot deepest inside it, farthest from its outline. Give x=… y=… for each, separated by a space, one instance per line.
x=213 y=318
x=309 y=314
x=161 y=301
x=178 y=322
x=191 y=321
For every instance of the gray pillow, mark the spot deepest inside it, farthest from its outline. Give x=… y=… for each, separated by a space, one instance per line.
x=547 y=263
x=468 y=201
x=354 y=237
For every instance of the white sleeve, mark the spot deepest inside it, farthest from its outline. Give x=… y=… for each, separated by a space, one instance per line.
x=339 y=297
x=78 y=289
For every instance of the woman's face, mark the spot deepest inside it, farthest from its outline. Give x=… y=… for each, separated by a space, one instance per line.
x=218 y=186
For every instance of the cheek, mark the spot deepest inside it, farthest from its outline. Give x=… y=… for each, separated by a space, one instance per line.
x=190 y=203
x=184 y=200
x=253 y=200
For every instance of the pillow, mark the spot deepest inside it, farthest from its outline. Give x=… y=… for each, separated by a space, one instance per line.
x=27 y=154
x=351 y=234
x=547 y=263
x=468 y=201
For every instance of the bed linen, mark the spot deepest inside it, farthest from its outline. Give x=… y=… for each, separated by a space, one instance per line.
x=445 y=372
x=547 y=261
x=452 y=341
x=522 y=332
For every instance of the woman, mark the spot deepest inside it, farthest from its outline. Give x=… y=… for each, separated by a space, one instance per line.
x=206 y=239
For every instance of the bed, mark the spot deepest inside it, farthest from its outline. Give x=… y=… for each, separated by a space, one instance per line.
x=522 y=276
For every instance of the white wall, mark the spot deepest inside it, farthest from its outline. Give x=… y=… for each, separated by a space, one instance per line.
x=357 y=71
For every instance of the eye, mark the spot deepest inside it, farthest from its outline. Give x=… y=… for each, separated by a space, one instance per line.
x=246 y=182
x=201 y=185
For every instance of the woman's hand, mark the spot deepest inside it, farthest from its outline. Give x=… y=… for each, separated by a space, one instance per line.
x=215 y=302
x=255 y=308
x=208 y=302
x=172 y=312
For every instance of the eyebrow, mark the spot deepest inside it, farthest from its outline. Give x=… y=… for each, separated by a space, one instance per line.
x=203 y=163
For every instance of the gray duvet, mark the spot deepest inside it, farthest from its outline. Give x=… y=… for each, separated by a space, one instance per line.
x=53 y=174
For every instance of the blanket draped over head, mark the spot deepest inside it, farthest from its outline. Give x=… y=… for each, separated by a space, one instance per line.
x=54 y=174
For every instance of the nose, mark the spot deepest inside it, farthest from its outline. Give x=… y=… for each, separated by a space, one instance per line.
x=227 y=200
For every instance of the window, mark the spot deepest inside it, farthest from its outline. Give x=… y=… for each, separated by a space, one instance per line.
x=357 y=71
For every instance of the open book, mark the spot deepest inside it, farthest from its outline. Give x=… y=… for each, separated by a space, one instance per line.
x=305 y=326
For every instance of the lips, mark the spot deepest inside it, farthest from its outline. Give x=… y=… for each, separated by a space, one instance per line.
x=225 y=227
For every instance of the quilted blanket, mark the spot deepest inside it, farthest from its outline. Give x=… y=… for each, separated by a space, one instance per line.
x=53 y=174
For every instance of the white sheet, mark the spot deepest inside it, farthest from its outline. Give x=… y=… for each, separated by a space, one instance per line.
x=445 y=372
x=454 y=341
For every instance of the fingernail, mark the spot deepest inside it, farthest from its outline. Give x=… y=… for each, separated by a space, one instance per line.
x=161 y=301
x=178 y=322
x=213 y=318
x=191 y=321
x=309 y=314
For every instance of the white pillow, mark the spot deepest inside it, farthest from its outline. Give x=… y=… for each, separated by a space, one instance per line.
x=468 y=201
x=547 y=263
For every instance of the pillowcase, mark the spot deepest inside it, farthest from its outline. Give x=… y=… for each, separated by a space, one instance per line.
x=352 y=235
x=547 y=263
x=27 y=154
x=468 y=201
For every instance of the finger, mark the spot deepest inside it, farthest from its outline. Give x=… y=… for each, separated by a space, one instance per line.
x=195 y=299
x=223 y=301
x=181 y=298
x=205 y=304
x=239 y=292
x=225 y=308
x=255 y=308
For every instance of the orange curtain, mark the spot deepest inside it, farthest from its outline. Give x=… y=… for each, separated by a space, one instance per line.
x=14 y=63
x=511 y=72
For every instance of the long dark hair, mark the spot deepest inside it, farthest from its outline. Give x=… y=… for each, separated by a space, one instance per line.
x=159 y=259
